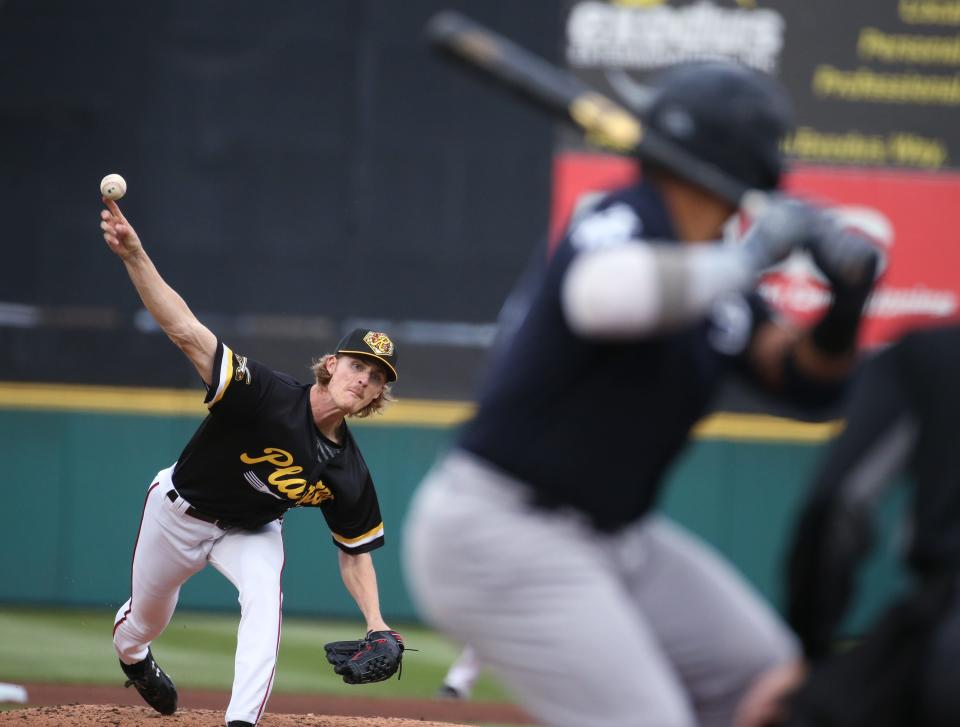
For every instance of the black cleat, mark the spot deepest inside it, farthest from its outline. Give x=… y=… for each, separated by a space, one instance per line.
x=155 y=687
x=239 y=723
x=450 y=693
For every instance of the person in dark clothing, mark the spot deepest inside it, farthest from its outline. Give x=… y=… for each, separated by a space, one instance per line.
x=901 y=419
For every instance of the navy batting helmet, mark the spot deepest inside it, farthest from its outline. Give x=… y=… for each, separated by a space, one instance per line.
x=725 y=114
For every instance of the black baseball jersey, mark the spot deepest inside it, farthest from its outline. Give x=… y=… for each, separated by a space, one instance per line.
x=258 y=454
x=594 y=424
x=903 y=417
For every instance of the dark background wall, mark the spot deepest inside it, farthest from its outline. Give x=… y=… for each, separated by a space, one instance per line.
x=296 y=168
x=293 y=168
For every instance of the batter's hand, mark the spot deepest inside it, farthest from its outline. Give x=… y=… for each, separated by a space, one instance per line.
x=118 y=233
x=765 y=703
x=784 y=225
x=846 y=257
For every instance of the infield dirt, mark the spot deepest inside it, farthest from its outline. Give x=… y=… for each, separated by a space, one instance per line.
x=99 y=715
x=87 y=706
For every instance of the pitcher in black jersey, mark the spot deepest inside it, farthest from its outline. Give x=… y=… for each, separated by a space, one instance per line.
x=268 y=444
x=532 y=540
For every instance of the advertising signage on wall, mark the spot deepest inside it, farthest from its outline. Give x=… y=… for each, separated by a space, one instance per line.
x=876 y=88
x=875 y=82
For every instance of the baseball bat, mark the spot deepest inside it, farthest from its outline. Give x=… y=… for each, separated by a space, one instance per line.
x=604 y=121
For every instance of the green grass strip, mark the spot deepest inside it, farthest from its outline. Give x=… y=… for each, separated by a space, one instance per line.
x=74 y=646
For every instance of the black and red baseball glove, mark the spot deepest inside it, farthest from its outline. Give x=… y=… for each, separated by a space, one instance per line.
x=372 y=659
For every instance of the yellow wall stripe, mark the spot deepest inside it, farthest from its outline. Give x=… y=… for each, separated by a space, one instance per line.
x=764 y=428
x=103 y=399
x=407 y=412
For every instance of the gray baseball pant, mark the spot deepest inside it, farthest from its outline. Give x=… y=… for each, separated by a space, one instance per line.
x=647 y=627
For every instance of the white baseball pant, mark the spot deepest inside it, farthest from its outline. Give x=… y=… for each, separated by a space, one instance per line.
x=171 y=547
x=463 y=672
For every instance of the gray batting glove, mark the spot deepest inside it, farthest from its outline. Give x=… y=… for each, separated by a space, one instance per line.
x=783 y=226
x=847 y=259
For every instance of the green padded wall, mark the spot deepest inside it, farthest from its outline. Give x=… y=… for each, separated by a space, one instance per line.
x=75 y=481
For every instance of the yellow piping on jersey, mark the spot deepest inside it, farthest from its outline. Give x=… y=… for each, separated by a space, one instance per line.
x=143 y=401
x=225 y=363
x=372 y=534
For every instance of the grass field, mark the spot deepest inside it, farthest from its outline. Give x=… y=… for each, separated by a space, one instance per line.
x=74 y=646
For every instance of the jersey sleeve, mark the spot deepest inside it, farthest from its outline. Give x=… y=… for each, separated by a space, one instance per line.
x=238 y=384
x=358 y=526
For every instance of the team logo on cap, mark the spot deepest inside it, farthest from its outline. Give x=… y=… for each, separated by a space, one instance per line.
x=379 y=343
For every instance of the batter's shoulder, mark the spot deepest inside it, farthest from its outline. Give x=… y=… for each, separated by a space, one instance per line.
x=614 y=217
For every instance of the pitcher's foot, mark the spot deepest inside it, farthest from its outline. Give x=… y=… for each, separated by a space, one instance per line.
x=155 y=687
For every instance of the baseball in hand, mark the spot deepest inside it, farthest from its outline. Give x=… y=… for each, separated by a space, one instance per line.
x=113 y=186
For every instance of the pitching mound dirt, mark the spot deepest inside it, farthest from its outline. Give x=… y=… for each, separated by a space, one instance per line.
x=114 y=706
x=99 y=715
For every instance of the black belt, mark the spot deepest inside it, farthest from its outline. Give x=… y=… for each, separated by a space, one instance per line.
x=194 y=512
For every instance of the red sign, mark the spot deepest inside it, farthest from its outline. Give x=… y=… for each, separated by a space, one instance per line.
x=913 y=216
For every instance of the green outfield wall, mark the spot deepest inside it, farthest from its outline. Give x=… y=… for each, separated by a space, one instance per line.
x=77 y=462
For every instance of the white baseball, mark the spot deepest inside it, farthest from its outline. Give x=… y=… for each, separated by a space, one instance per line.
x=113 y=186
